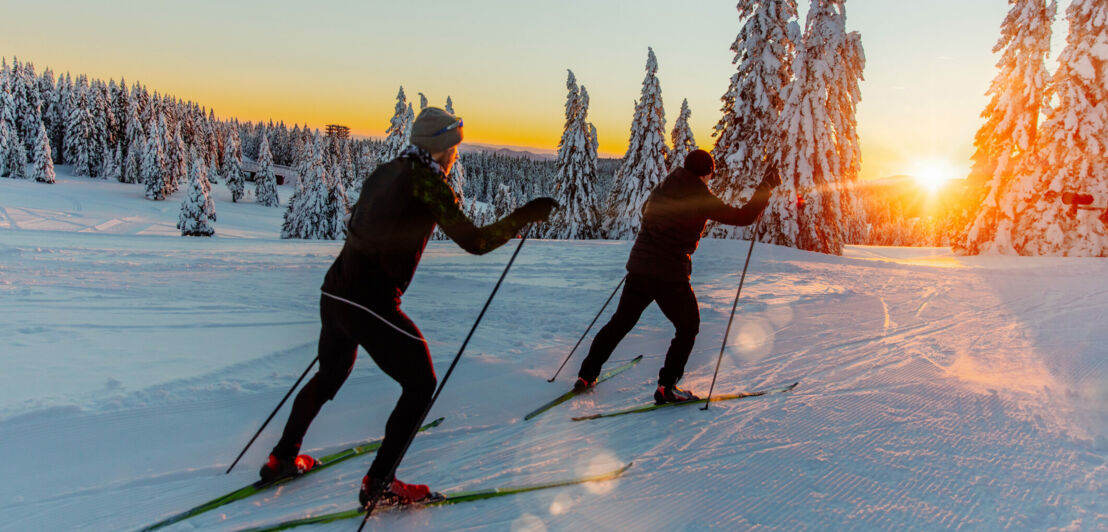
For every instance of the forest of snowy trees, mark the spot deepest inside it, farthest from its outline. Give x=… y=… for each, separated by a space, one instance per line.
x=791 y=101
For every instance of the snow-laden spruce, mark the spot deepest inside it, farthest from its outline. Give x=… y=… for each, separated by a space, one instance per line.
x=232 y=165
x=749 y=132
x=136 y=143
x=644 y=164
x=153 y=163
x=265 y=182
x=177 y=160
x=78 y=131
x=42 y=162
x=577 y=216
x=399 y=130
x=197 y=209
x=319 y=209
x=1072 y=153
x=1017 y=97
x=814 y=208
x=681 y=138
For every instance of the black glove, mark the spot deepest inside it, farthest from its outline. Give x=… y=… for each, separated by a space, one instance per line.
x=770 y=177
x=537 y=210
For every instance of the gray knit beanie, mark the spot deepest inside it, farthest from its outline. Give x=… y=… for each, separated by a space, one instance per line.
x=430 y=130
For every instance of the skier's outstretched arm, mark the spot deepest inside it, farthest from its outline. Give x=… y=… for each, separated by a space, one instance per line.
x=746 y=215
x=724 y=213
x=443 y=204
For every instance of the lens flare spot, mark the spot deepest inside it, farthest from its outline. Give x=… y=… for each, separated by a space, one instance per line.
x=563 y=503
x=602 y=462
x=528 y=523
x=754 y=340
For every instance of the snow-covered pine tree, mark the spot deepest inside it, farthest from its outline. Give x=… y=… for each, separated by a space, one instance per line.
x=265 y=182
x=449 y=105
x=8 y=133
x=682 y=138
x=62 y=99
x=15 y=161
x=812 y=154
x=1017 y=97
x=102 y=127
x=319 y=208
x=51 y=116
x=131 y=171
x=1073 y=145
x=27 y=105
x=844 y=96
x=577 y=218
x=197 y=209
x=177 y=159
x=422 y=101
x=504 y=202
x=121 y=110
x=78 y=131
x=109 y=164
x=748 y=132
x=42 y=162
x=5 y=145
x=644 y=164
x=153 y=164
x=399 y=131
x=232 y=165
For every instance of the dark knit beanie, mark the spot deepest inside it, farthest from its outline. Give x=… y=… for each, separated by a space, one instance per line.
x=432 y=130
x=700 y=163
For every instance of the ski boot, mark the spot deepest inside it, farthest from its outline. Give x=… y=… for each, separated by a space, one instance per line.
x=394 y=492
x=672 y=394
x=581 y=384
x=276 y=469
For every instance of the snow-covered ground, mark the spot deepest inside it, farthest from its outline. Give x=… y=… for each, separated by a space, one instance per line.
x=935 y=391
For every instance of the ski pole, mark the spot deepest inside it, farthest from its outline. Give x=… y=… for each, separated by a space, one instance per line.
x=442 y=383
x=753 y=239
x=587 y=329
x=270 y=418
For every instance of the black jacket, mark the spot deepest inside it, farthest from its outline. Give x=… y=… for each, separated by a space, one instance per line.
x=673 y=220
x=389 y=227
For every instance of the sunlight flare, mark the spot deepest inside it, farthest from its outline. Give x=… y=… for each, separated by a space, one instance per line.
x=932 y=173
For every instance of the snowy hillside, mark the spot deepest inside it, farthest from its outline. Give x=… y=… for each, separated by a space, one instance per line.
x=935 y=391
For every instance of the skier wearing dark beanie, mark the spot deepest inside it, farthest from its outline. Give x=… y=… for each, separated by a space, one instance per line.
x=401 y=203
x=660 y=267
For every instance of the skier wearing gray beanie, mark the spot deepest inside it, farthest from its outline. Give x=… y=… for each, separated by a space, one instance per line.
x=401 y=203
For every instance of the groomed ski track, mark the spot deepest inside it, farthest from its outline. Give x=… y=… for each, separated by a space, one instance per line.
x=938 y=392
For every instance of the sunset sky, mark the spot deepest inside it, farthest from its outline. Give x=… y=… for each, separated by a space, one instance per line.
x=504 y=63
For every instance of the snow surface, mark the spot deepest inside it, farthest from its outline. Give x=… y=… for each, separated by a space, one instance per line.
x=936 y=391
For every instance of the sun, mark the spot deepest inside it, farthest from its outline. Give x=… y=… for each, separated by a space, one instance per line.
x=933 y=173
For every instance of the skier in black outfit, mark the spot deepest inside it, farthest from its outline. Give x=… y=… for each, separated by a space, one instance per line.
x=661 y=264
x=400 y=204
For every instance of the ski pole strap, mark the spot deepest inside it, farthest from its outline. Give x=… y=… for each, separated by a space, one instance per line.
x=376 y=315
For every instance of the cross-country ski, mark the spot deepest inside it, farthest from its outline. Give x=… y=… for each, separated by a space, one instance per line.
x=260 y=486
x=574 y=393
x=449 y=498
x=656 y=406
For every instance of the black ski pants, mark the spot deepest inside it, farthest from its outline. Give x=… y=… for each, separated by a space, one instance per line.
x=401 y=357
x=677 y=302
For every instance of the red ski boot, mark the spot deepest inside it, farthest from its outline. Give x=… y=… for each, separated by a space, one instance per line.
x=393 y=493
x=276 y=469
